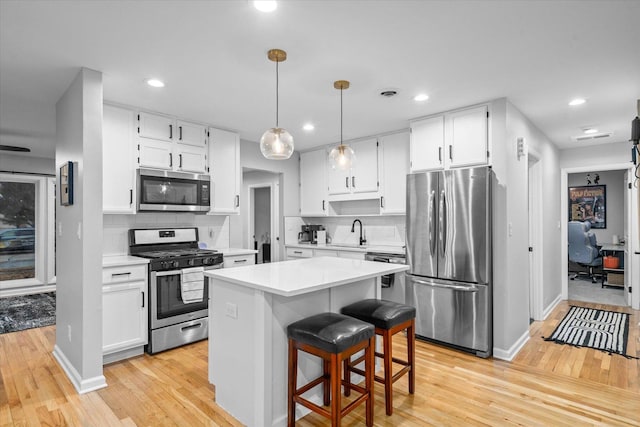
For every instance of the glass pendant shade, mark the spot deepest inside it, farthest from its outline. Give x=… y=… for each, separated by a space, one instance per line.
x=276 y=144
x=341 y=157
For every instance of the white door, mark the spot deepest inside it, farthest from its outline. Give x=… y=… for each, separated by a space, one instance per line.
x=313 y=188
x=394 y=150
x=427 y=144
x=118 y=171
x=191 y=134
x=466 y=137
x=154 y=153
x=189 y=158
x=364 y=171
x=156 y=126
x=224 y=161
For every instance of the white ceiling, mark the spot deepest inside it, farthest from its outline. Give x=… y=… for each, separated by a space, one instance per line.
x=212 y=56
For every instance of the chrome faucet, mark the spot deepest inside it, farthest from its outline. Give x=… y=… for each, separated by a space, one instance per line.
x=353 y=229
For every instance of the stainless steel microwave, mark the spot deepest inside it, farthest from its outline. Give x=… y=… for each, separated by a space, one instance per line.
x=168 y=191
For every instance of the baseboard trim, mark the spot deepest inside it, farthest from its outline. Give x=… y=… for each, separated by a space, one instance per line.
x=547 y=311
x=508 y=355
x=40 y=289
x=81 y=385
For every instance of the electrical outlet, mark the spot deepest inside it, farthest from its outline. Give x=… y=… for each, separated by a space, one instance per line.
x=231 y=310
x=69 y=332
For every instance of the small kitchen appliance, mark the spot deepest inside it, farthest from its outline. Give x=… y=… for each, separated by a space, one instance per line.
x=168 y=191
x=309 y=233
x=177 y=289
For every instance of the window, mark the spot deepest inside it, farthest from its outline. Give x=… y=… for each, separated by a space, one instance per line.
x=26 y=205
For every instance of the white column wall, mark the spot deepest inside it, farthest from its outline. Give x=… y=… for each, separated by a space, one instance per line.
x=79 y=240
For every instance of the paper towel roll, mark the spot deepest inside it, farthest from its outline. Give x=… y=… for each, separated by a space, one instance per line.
x=616 y=239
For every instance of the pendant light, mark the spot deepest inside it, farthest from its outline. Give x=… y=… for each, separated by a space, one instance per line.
x=342 y=156
x=276 y=143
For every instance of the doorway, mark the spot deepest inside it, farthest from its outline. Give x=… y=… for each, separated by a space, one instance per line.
x=621 y=207
x=260 y=222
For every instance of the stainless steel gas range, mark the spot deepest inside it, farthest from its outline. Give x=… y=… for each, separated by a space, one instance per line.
x=178 y=291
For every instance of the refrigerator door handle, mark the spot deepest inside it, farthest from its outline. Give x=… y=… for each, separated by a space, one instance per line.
x=457 y=287
x=442 y=232
x=432 y=225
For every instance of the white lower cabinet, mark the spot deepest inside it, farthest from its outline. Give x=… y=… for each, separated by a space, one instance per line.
x=239 y=260
x=124 y=311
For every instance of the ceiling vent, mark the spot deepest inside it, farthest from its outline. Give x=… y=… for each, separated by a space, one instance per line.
x=582 y=138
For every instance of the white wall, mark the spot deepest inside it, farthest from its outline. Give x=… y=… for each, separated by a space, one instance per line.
x=616 y=186
x=79 y=256
x=510 y=222
x=26 y=163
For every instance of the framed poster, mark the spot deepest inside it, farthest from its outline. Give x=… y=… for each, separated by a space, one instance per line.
x=66 y=184
x=589 y=203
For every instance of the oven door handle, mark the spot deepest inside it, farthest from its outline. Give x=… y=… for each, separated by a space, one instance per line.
x=167 y=273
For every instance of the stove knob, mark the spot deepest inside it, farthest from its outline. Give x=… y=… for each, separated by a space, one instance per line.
x=191 y=262
x=175 y=264
x=163 y=265
x=208 y=261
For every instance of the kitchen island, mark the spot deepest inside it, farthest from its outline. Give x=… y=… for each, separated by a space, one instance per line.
x=249 y=311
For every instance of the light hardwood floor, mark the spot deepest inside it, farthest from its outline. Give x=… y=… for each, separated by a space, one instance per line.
x=547 y=384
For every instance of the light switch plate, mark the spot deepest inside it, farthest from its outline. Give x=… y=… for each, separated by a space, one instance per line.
x=231 y=310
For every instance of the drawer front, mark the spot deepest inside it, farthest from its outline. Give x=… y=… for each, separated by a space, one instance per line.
x=124 y=273
x=299 y=252
x=325 y=252
x=239 y=260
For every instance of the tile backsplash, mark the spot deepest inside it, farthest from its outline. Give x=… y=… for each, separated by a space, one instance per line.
x=378 y=230
x=212 y=229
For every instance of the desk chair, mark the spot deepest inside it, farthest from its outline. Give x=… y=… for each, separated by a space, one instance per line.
x=583 y=249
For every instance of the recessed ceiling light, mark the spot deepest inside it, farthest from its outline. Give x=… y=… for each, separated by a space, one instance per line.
x=308 y=126
x=265 y=6
x=590 y=131
x=155 y=83
x=577 y=101
x=421 y=97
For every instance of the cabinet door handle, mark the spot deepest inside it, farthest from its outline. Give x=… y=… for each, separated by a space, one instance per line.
x=170 y=131
x=382 y=201
x=170 y=159
x=346 y=181
x=142 y=292
x=237 y=261
x=323 y=205
x=451 y=152
x=180 y=158
x=440 y=154
x=297 y=252
x=237 y=203
x=353 y=181
x=130 y=196
x=180 y=129
x=120 y=274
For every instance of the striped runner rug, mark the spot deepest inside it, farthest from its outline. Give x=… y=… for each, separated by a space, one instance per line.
x=588 y=327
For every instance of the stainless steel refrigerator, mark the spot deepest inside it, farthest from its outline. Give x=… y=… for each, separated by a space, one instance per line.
x=449 y=252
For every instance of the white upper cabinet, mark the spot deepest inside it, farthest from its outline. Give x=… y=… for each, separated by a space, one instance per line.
x=155 y=126
x=394 y=150
x=427 y=144
x=118 y=171
x=191 y=134
x=167 y=143
x=313 y=187
x=362 y=179
x=224 y=168
x=467 y=137
x=455 y=139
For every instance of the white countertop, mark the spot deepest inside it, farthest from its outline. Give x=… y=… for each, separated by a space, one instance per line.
x=115 y=260
x=301 y=276
x=612 y=247
x=363 y=249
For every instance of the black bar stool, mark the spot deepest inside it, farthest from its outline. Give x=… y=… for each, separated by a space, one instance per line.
x=389 y=318
x=334 y=338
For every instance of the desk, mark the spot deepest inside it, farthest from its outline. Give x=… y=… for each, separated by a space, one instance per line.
x=615 y=276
